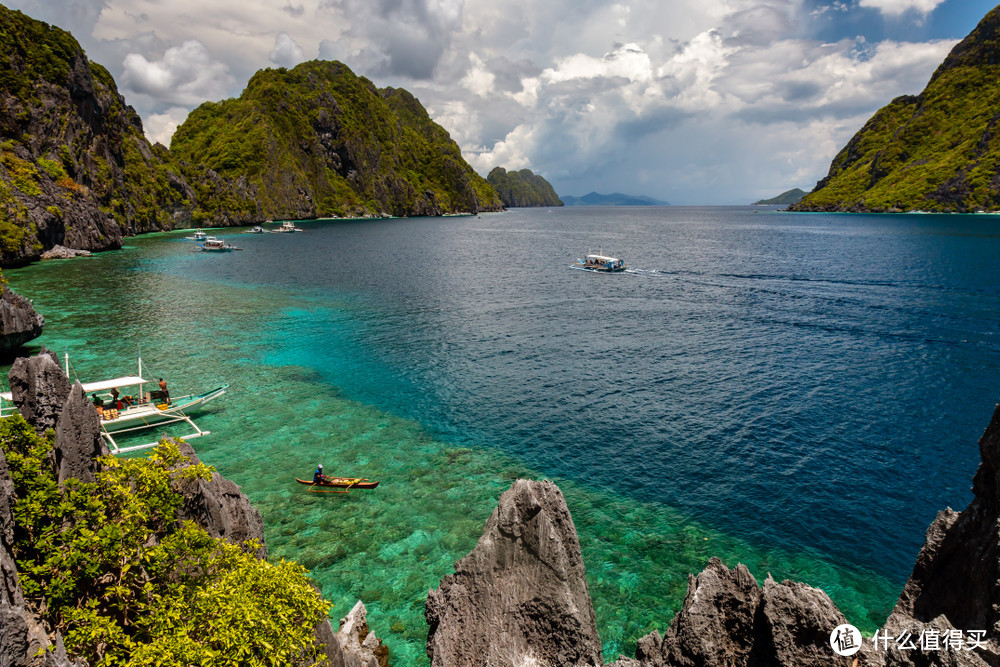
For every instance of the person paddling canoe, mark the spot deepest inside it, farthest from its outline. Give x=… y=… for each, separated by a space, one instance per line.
x=318 y=476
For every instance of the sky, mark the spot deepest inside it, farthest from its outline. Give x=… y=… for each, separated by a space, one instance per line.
x=689 y=101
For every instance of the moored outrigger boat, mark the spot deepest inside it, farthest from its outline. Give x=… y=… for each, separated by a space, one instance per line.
x=130 y=413
x=212 y=244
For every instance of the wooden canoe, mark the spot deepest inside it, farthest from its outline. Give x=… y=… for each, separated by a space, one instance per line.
x=341 y=483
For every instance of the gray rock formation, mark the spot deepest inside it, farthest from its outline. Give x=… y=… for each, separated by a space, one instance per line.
x=40 y=388
x=13 y=627
x=62 y=252
x=728 y=621
x=519 y=596
x=19 y=322
x=78 y=440
x=331 y=650
x=955 y=584
x=218 y=506
x=359 y=646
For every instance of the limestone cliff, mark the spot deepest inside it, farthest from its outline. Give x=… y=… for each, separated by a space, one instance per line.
x=77 y=171
x=319 y=141
x=936 y=151
x=520 y=597
x=75 y=167
x=19 y=323
x=522 y=188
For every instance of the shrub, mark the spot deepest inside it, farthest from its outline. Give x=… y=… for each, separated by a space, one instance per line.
x=128 y=585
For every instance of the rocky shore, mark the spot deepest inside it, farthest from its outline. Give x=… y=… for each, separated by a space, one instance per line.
x=19 y=323
x=520 y=596
x=46 y=399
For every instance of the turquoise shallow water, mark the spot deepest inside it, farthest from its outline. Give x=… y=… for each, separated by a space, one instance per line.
x=798 y=393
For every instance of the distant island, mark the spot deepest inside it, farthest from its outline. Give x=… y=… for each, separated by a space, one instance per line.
x=613 y=199
x=522 y=188
x=793 y=196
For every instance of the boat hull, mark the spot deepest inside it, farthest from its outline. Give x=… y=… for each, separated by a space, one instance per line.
x=593 y=269
x=340 y=483
x=148 y=414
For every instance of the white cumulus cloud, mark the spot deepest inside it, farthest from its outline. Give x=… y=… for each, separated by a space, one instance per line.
x=286 y=53
x=159 y=127
x=898 y=7
x=185 y=75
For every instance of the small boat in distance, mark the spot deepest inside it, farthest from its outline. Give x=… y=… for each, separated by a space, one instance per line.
x=288 y=227
x=256 y=230
x=600 y=263
x=198 y=236
x=212 y=244
x=334 y=483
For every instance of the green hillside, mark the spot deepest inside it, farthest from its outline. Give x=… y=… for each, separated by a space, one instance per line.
x=937 y=151
x=792 y=196
x=319 y=141
x=75 y=167
x=522 y=188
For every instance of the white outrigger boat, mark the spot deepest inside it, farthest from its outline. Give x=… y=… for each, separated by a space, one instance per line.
x=198 y=236
x=130 y=413
x=288 y=226
x=212 y=244
x=600 y=263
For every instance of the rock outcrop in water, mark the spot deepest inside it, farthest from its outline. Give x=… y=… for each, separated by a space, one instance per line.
x=520 y=598
x=19 y=323
x=39 y=388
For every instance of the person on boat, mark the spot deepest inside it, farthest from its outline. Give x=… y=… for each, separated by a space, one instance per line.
x=318 y=476
x=98 y=401
x=114 y=397
x=163 y=391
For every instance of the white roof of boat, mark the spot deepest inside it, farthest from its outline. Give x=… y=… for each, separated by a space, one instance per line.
x=603 y=257
x=114 y=382
x=126 y=381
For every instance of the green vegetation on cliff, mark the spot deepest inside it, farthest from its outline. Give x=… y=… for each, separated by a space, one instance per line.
x=792 y=196
x=76 y=169
x=108 y=565
x=522 y=188
x=319 y=141
x=937 y=151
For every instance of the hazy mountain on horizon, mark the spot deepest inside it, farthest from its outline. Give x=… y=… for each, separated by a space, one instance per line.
x=613 y=199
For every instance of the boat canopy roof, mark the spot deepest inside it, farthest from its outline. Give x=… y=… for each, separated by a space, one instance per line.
x=114 y=382
x=126 y=381
x=602 y=258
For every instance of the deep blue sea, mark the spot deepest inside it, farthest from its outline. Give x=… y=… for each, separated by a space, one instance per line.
x=799 y=392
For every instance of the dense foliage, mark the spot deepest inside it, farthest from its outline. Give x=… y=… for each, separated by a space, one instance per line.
x=522 y=188
x=317 y=140
x=110 y=567
x=938 y=151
